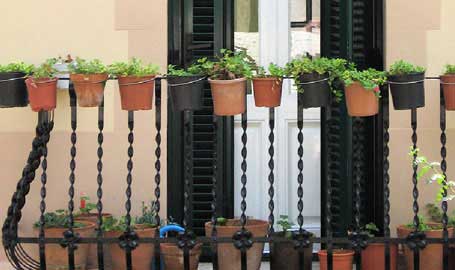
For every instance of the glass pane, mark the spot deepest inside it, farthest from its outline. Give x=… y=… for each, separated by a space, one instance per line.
x=305 y=40
x=246 y=27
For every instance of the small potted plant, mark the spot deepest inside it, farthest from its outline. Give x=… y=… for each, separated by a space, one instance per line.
x=285 y=256
x=407 y=85
x=145 y=226
x=316 y=79
x=186 y=87
x=137 y=83
x=268 y=86
x=42 y=88
x=13 y=92
x=448 y=86
x=231 y=256
x=228 y=77
x=373 y=254
x=89 y=79
x=55 y=225
x=362 y=91
x=85 y=214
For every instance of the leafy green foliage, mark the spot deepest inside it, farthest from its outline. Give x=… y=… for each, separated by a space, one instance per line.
x=423 y=225
x=402 y=67
x=148 y=217
x=230 y=65
x=370 y=79
x=89 y=207
x=45 y=70
x=434 y=212
x=112 y=224
x=193 y=70
x=334 y=68
x=221 y=221
x=286 y=225
x=371 y=229
x=274 y=71
x=82 y=66
x=57 y=219
x=449 y=70
x=17 y=67
x=134 y=67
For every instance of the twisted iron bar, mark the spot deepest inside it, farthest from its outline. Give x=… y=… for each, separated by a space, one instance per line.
x=157 y=166
x=99 y=192
x=386 y=166
x=214 y=194
x=444 y=206
x=271 y=179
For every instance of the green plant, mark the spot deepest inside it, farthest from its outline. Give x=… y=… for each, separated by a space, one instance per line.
x=334 y=68
x=148 y=217
x=230 y=65
x=434 y=212
x=286 y=225
x=17 y=67
x=112 y=224
x=402 y=67
x=371 y=229
x=134 y=67
x=449 y=70
x=221 y=221
x=194 y=69
x=45 y=71
x=423 y=225
x=57 y=219
x=274 y=71
x=370 y=79
x=86 y=206
x=82 y=66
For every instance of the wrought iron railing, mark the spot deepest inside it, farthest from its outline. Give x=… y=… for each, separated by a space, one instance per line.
x=243 y=239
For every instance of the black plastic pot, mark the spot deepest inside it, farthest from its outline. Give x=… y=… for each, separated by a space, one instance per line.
x=13 y=93
x=408 y=91
x=286 y=257
x=316 y=90
x=186 y=92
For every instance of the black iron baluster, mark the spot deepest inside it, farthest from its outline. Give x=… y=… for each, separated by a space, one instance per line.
x=271 y=182
x=99 y=192
x=43 y=116
x=214 y=194
x=444 y=205
x=157 y=166
x=329 y=234
x=385 y=115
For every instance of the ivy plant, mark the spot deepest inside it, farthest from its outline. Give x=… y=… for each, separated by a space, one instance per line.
x=45 y=71
x=83 y=66
x=134 y=67
x=370 y=79
x=449 y=70
x=57 y=219
x=286 y=225
x=334 y=68
x=17 y=67
x=402 y=67
x=193 y=70
x=148 y=217
x=229 y=65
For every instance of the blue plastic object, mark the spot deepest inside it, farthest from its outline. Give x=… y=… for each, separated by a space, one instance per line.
x=170 y=228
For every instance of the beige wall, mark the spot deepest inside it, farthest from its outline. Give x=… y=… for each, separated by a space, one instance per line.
x=109 y=30
x=421 y=32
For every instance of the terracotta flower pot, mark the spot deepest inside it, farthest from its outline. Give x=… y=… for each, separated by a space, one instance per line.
x=89 y=88
x=57 y=256
x=42 y=93
x=342 y=259
x=173 y=256
x=186 y=92
x=408 y=91
x=448 y=86
x=360 y=101
x=229 y=257
x=13 y=92
x=373 y=257
x=136 y=92
x=92 y=259
x=315 y=90
x=267 y=92
x=228 y=96
x=286 y=257
x=142 y=256
x=431 y=256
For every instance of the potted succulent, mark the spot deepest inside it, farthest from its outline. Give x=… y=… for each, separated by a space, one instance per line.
x=228 y=77
x=186 y=87
x=137 y=83
x=145 y=226
x=42 y=87
x=407 y=85
x=362 y=91
x=373 y=254
x=89 y=79
x=268 y=86
x=55 y=225
x=230 y=256
x=342 y=259
x=316 y=79
x=448 y=86
x=285 y=256
x=85 y=214
x=13 y=92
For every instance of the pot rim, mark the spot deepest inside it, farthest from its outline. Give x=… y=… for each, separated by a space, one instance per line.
x=227 y=81
x=135 y=228
x=89 y=225
x=404 y=75
x=267 y=78
x=338 y=252
x=405 y=227
x=259 y=221
x=137 y=77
